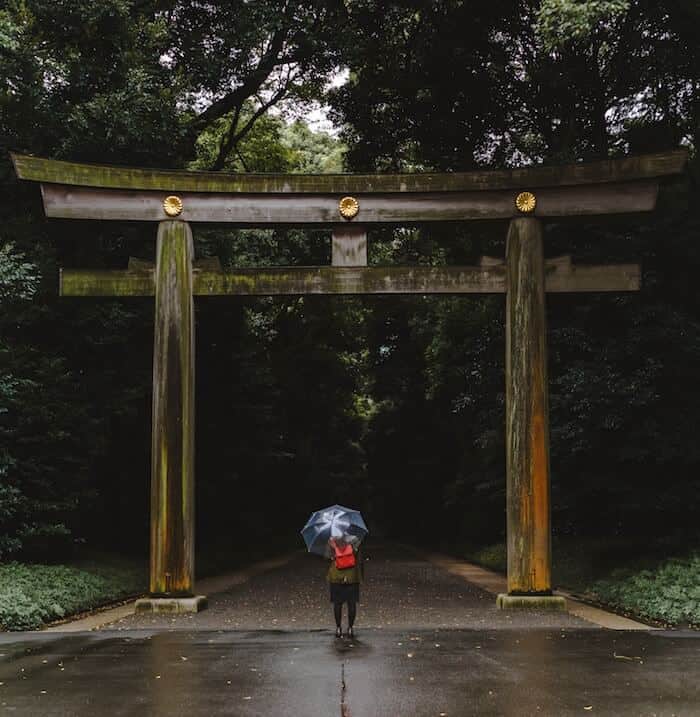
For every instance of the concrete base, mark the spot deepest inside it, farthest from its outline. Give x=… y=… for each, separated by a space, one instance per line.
x=530 y=602
x=171 y=605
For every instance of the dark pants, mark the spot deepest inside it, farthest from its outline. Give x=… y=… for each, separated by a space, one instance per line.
x=345 y=593
x=338 y=613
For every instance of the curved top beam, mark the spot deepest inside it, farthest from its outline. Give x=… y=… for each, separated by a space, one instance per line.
x=52 y=171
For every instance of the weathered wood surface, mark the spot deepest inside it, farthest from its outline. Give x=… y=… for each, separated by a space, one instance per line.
x=352 y=280
x=87 y=282
x=66 y=202
x=172 y=458
x=527 y=419
x=563 y=276
x=92 y=175
x=349 y=246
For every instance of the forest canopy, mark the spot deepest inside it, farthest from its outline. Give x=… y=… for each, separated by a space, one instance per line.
x=387 y=403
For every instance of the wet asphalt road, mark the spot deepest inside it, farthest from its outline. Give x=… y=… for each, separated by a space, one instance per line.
x=428 y=662
x=387 y=672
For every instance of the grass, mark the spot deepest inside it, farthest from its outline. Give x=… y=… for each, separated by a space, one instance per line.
x=34 y=594
x=628 y=576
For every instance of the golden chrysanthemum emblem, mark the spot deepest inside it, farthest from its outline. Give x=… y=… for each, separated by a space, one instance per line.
x=172 y=205
x=526 y=202
x=348 y=207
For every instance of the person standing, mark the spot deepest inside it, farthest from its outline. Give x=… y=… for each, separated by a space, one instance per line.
x=344 y=576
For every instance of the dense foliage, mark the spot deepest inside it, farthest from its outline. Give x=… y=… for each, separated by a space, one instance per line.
x=31 y=595
x=518 y=83
x=393 y=404
x=669 y=593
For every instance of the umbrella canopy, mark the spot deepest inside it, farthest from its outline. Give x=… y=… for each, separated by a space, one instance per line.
x=336 y=521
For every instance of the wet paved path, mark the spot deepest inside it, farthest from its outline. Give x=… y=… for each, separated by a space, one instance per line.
x=429 y=645
x=401 y=590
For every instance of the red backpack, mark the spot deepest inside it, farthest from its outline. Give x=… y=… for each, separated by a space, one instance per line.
x=344 y=557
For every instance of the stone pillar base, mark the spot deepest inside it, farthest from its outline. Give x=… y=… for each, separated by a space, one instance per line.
x=171 y=605
x=530 y=602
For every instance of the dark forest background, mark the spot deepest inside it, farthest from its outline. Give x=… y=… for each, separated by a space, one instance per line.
x=393 y=405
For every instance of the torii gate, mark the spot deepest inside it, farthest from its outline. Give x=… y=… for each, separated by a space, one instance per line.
x=349 y=204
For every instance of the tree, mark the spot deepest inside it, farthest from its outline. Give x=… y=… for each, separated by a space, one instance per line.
x=437 y=86
x=128 y=82
x=140 y=81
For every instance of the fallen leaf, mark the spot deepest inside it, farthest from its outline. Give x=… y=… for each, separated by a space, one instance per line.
x=634 y=658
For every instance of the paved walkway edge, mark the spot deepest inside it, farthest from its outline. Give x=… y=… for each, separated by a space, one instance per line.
x=207 y=586
x=495 y=583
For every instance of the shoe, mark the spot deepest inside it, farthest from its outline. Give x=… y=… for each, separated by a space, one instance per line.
x=350 y=634
x=338 y=632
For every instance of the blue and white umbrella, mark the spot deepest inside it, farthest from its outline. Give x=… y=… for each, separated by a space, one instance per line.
x=333 y=522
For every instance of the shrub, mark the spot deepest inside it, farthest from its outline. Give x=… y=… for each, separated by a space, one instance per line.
x=666 y=591
x=31 y=594
x=669 y=593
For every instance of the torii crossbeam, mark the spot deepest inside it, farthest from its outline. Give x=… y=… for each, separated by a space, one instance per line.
x=349 y=204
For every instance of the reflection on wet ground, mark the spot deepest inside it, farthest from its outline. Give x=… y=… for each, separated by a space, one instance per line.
x=385 y=672
x=428 y=644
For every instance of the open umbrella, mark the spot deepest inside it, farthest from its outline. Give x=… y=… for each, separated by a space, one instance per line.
x=335 y=521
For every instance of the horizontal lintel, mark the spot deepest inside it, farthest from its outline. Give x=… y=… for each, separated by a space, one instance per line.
x=294 y=281
x=623 y=169
x=69 y=202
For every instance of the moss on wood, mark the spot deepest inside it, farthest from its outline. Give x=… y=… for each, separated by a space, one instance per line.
x=287 y=281
x=45 y=170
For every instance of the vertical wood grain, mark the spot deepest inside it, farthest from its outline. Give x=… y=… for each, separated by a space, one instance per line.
x=349 y=246
x=527 y=419
x=172 y=460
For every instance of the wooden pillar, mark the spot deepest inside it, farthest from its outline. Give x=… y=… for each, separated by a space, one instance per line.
x=172 y=459
x=527 y=419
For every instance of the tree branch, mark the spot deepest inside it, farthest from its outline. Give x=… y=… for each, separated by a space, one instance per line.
x=234 y=137
x=252 y=84
x=227 y=141
x=243 y=162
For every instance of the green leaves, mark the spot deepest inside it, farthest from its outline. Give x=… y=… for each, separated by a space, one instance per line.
x=19 y=278
x=9 y=33
x=31 y=595
x=668 y=593
x=560 y=22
